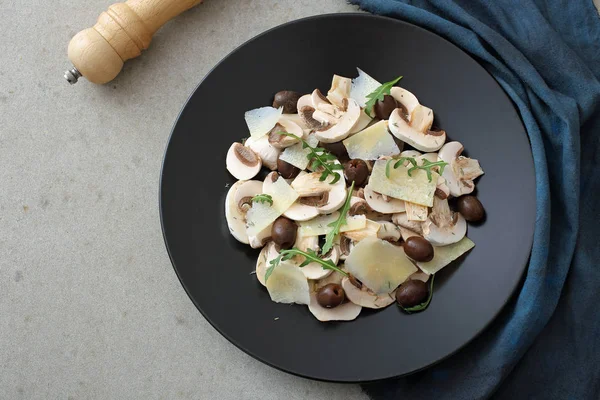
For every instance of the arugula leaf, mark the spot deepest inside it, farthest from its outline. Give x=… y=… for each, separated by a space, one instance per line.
x=320 y=157
x=425 y=304
x=309 y=257
x=337 y=224
x=263 y=198
x=426 y=166
x=378 y=94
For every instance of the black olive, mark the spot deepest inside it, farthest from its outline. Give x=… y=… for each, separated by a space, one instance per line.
x=418 y=249
x=412 y=293
x=383 y=109
x=284 y=232
x=288 y=100
x=471 y=208
x=331 y=295
x=356 y=170
x=287 y=170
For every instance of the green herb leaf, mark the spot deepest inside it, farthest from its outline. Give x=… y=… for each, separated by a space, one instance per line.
x=309 y=257
x=426 y=165
x=337 y=224
x=320 y=157
x=425 y=304
x=399 y=161
x=263 y=198
x=378 y=94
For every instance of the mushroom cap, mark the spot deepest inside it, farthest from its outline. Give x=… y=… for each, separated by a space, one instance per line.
x=443 y=226
x=461 y=171
x=265 y=150
x=377 y=202
x=401 y=219
x=335 y=199
x=246 y=190
x=304 y=101
x=344 y=312
x=307 y=115
x=363 y=122
x=342 y=129
x=422 y=141
x=318 y=98
x=388 y=231
x=295 y=118
x=283 y=141
x=366 y=298
x=234 y=216
x=301 y=212
x=242 y=162
x=314 y=270
x=404 y=97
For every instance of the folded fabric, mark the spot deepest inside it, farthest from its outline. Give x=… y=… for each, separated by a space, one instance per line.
x=546 y=342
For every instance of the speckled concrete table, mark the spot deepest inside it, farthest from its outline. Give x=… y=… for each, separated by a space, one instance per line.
x=90 y=307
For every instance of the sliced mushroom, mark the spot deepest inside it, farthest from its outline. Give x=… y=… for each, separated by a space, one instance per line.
x=318 y=98
x=410 y=153
x=306 y=114
x=234 y=215
x=314 y=270
x=335 y=198
x=358 y=206
x=295 y=118
x=442 y=190
x=305 y=101
x=246 y=190
x=401 y=219
x=421 y=118
x=365 y=297
x=282 y=141
x=325 y=118
x=310 y=185
x=332 y=278
x=265 y=150
x=363 y=122
x=387 y=205
x=460 y=171
x=242 y=162
x=344 y=312
x=300 y=211
x=388 y=231
x=404 y=97
x=346 y=245
x=267 y=254
x=444 y=226
x=340 y=90
x=341 y=130
x=416 y=212
x=421 y=140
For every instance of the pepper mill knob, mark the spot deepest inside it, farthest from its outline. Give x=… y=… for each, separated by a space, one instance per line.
x=121 y=33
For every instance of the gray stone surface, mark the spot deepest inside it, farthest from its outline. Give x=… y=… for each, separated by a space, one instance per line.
x=90 y=307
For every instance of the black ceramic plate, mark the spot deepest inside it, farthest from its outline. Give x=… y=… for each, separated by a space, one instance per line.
x=215 y=270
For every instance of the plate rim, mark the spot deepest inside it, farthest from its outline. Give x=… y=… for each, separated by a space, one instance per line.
x=257 y=357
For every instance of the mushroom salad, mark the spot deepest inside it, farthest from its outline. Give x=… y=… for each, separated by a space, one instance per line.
x=365 y=201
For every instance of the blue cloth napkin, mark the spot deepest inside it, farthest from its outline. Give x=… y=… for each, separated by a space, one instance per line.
x=546 y=342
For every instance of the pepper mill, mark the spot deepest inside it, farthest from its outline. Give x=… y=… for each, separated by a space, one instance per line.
x=121 y=33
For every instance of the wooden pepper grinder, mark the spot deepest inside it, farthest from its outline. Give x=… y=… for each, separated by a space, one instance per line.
x=121 y=33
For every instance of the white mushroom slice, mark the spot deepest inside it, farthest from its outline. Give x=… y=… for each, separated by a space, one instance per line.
x=442 y=190
x=421 y=118
x=320 y=225
x=388 y=231
x=267 y=254
x=333 y=111
x=315 y=270
x=416 y=212
x=370 y=230
x=401 y=219
x=295 y=118
x=372 y=143
x=260 y=121
x=365 y=297
x=236 y=220
x=358 y=206
x=424 y=141
x=388 y=206
x=287 y=284
x=444 y=227
x=341 y=130
x=336 y=197
x=246 y=190
x=305 y=101
x=242 y=162
x=262 y=215
x=406 y=233
x=404 y=97
x=282 y=141
x=362 y=86
x=306 y=114
x=443 y=256
x=265 y=150
x=344 y=312
x=415 y=188
x=318 y=98
x=301 y=212
x=460 y=171
x=309 y=184
x=257 y=241
x=419 y=276
x=379 y=265
x=346 y=245
x=431 y=157
x=340 y=89
x=325 y=118
x=297 y=155
x=362 y=123
x=411 y=153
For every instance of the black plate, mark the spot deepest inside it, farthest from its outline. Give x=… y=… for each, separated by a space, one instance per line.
x=215 y=270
